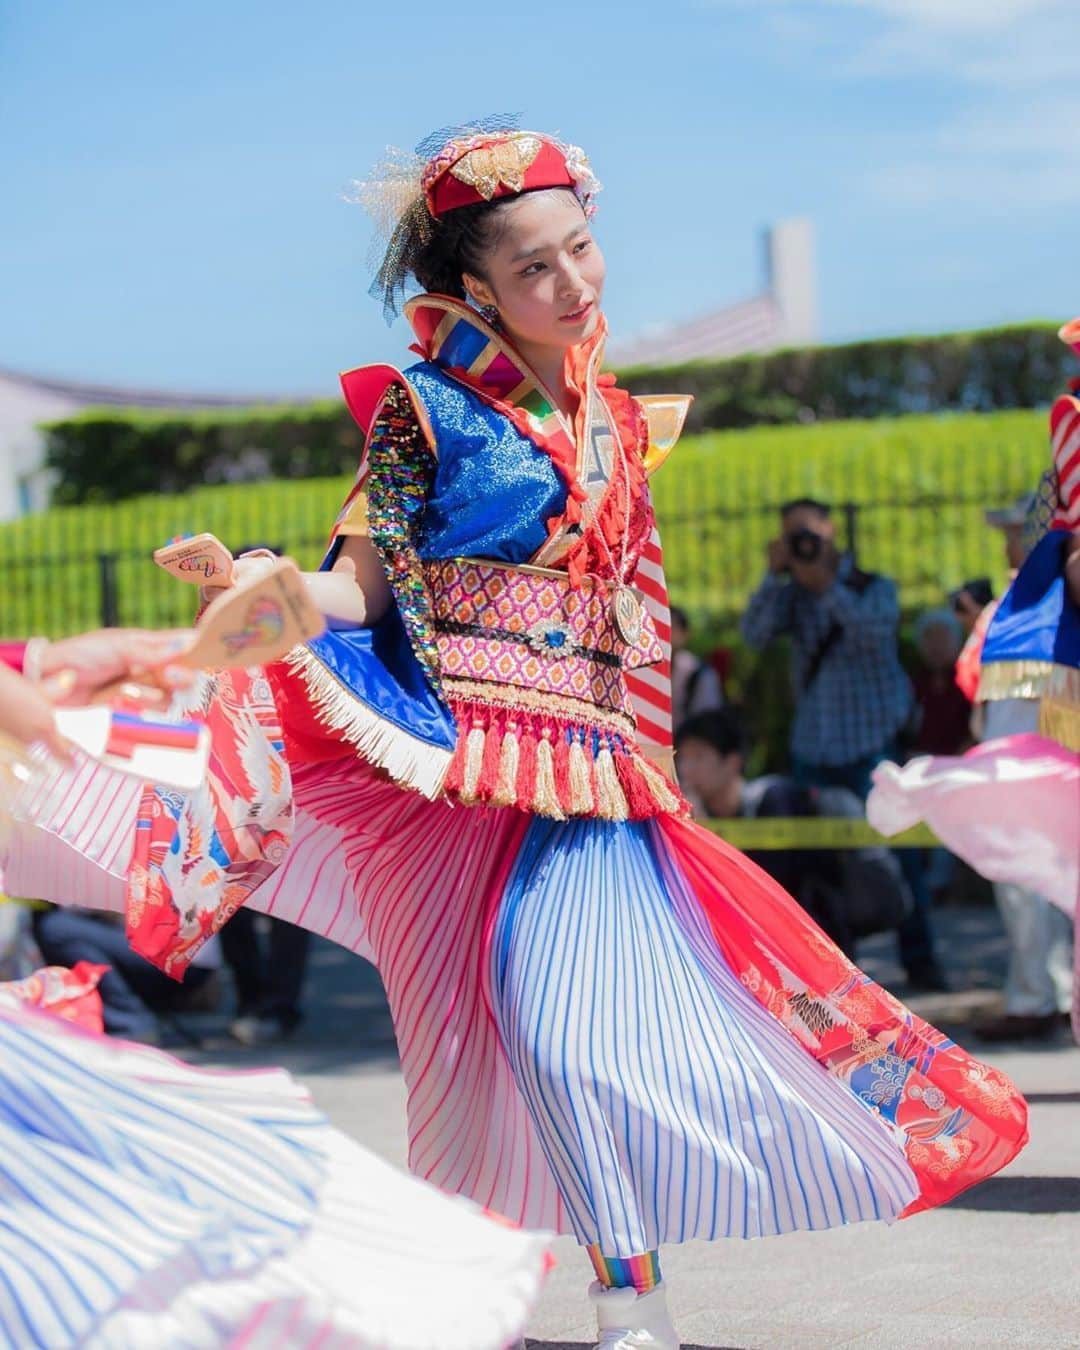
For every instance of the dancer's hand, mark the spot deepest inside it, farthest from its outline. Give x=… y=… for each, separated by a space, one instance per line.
x=77 y=669
x=247 y=567
x=26 y=715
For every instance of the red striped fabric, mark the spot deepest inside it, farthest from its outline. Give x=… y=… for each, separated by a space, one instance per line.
x=1065 y=441
x=650 y=688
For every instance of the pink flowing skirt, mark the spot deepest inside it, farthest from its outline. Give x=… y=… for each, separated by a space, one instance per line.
x=1010 y=808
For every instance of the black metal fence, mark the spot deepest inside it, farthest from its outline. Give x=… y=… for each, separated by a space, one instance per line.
x=714 y=558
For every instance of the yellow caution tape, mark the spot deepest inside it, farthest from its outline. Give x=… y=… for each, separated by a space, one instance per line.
x=813 y=832
x=26 y=904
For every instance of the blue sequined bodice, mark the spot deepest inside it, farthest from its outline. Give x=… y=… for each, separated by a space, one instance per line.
x=494 y=490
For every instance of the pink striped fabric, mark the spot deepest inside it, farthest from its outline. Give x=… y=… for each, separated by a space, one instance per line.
x=430 y=878
x=72 y=833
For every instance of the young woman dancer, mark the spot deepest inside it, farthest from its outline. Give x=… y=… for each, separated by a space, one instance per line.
x=610 y=1023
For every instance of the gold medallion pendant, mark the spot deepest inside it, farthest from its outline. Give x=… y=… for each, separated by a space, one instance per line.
x=627 y=614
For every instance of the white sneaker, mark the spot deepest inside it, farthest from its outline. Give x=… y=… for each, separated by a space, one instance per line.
x=627 y=1320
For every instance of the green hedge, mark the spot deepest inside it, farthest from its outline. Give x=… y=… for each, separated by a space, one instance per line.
x=1017 y=367
x=108 y=455
x=919 y=486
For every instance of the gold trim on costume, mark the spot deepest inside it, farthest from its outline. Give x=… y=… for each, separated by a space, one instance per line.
x=1060 y=722
x=1059 y=712
x=665 y=415
x=532 y=700
x=1013 y=679
x=355 y=519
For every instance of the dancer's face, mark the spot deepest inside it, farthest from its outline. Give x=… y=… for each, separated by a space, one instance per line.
x=544 y=272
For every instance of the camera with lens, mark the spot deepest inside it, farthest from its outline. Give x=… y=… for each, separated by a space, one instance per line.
x=805 y=545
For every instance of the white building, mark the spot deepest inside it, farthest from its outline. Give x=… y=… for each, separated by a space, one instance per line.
x=783 y=314
x=26 y=401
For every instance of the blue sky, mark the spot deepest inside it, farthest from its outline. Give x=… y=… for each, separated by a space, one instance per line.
x=173 y=175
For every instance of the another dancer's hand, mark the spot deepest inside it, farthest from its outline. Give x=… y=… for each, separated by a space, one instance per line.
x=247 y=567
x=77 y=669
x=26 y=715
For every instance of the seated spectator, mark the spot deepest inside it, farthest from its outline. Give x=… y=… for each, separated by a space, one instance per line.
x=135 y=995
x=695 y=685
x=850 y=893
x=944 y=710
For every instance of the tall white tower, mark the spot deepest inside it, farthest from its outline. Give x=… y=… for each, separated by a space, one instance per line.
x=789 y=270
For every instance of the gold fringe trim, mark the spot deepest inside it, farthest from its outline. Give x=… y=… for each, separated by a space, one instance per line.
x=546 y=796
x=474 y=759
x=659 y=786
x=409 y=761
x=1065 y=684
x=611 y=803
x=1013 y=679
x=505 y=793
x=581 y=797
x=1060 y=721
x=533 y=701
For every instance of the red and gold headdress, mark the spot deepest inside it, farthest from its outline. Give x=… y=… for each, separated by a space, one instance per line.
x=460 y=166
x=485 y=167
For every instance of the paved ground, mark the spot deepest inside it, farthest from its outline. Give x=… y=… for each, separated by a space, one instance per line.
x=998 y=1267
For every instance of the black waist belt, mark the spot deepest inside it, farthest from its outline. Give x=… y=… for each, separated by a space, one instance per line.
x=479 y=630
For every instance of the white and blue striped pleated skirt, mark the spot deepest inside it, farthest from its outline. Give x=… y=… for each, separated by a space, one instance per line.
x=623 y=1031
x=147 y=1204
x=669 y=1104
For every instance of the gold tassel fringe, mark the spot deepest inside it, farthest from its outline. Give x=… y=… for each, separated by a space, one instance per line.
x=660 y=788
x=581 y=797
x=611 y=801
x=545 y=795
x=1060 y=721
x=505 y=793
x=474 y=758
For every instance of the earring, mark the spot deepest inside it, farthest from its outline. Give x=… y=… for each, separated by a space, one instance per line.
x=490 y=315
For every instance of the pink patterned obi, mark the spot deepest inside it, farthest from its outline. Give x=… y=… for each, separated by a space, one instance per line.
x=534 y=671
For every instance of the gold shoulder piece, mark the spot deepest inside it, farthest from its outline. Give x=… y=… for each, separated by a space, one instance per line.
x=666 y=416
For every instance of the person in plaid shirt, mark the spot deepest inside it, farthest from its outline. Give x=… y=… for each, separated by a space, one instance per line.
x=853 y=697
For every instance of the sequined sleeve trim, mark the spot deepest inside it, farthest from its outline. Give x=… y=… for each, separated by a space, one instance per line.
x=399 y=480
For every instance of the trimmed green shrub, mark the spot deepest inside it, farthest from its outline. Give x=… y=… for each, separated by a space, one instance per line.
x=111 y=454
x=1023 y=366
x=107 y=455
x=918 y=487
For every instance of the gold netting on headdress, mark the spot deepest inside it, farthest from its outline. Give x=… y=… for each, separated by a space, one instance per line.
x=392 y=195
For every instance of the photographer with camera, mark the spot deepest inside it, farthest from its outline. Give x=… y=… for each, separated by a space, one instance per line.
x=853 y=699
x=852 y=694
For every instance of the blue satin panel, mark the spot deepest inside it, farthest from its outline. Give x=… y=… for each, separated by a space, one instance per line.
x=1036 y=620
x=493 y=494
x=378 y=666
x=494 y=490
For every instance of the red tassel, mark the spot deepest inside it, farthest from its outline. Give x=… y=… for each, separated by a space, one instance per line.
x=638 y=797
x=455 y=774
x=489 y=767
x=562 y=768
x=526 y=777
